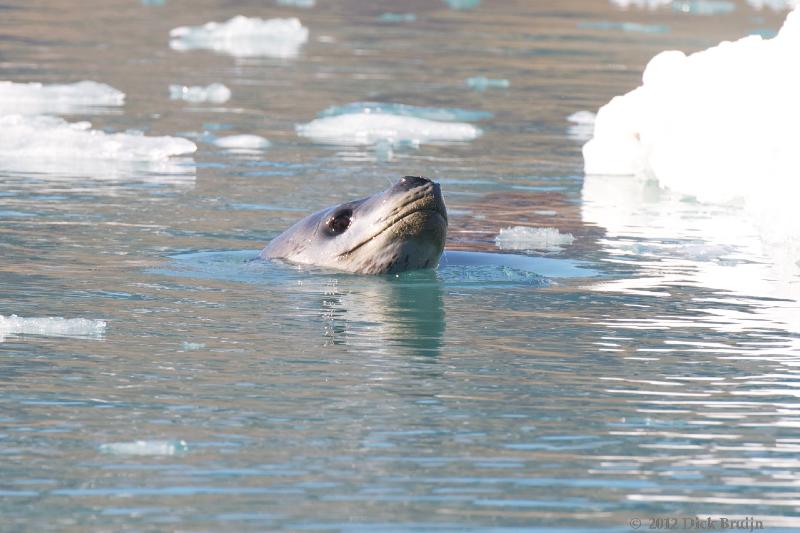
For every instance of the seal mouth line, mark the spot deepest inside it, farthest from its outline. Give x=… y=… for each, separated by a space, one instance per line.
x=392 y=223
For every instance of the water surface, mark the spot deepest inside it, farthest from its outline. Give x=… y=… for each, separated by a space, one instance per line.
x=648 y=369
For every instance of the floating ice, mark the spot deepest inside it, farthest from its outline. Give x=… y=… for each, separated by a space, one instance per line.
x=641 y=4
x=145 y=447
x=305 y=4
x=51 y=327
x=430 y=113
x=242 y=142
x=397 y=17
x=624 y=26
x=695 y=7
x=775 y=5
x=366 y=128
x=526 y=238
x=216 y=93
x=481 y=83
x=37 y=98
x=244 y=37
x=582 y=125
x=48 y=137
x=719 y=125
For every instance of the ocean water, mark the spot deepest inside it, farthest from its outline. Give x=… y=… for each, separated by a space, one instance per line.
x=648 y=369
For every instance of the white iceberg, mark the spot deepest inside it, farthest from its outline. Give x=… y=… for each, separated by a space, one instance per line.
x=365 y=128
x=38 y=98
x=244 y=37
x=719 y=125
x=51 y=327
x=215 y=93
x=145 y=447
x=527 y=238
x=246 y=143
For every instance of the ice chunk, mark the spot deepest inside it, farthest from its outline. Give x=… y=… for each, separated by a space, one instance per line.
x=145 y=447
x=54 y=138
x=430 y=113
x=582 y=126
x=38 y=98
x=215 y=93
x=242 y=142
x=481 y=83
x=51 y=327
x=244 y=37
x=397 y=17
x=366 y=128
x=648 y=4
x=775 y=5
x=624 y=26
x=719 y=125
x=526 y=238
x=305 y=4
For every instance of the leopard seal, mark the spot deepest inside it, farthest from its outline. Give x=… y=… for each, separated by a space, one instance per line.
x=401 y=228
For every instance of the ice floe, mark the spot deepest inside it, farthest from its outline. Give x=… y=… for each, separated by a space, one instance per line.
x=430 y=113
x=51 y=327
x=38 y=98
x=145 y=447
x=242 y=143
x=719 y=125
x=215 y=93
x=527 y=238
x=55 y=138
x=244 y=37
x=481 y=83
x=367 y=128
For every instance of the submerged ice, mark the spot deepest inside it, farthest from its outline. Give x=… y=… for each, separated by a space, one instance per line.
x=244 y=37
x=366 y=128
x=38 y=98
x=391 y=124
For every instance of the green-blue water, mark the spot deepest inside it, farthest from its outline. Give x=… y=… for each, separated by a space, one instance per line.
x=648 y=369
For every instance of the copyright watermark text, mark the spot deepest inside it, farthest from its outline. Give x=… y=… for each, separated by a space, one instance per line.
x=747 y=523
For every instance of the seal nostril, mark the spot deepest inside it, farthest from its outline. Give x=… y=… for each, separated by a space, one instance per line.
x=411 y=182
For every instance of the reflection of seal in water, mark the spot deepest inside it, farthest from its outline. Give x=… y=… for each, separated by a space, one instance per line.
x=401 y=228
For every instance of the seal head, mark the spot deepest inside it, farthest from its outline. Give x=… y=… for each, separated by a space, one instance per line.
x=401 y=228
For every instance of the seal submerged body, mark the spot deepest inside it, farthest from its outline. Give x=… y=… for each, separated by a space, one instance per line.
x=401 y=228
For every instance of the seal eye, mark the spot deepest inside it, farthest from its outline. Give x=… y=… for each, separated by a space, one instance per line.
x=339 y=222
